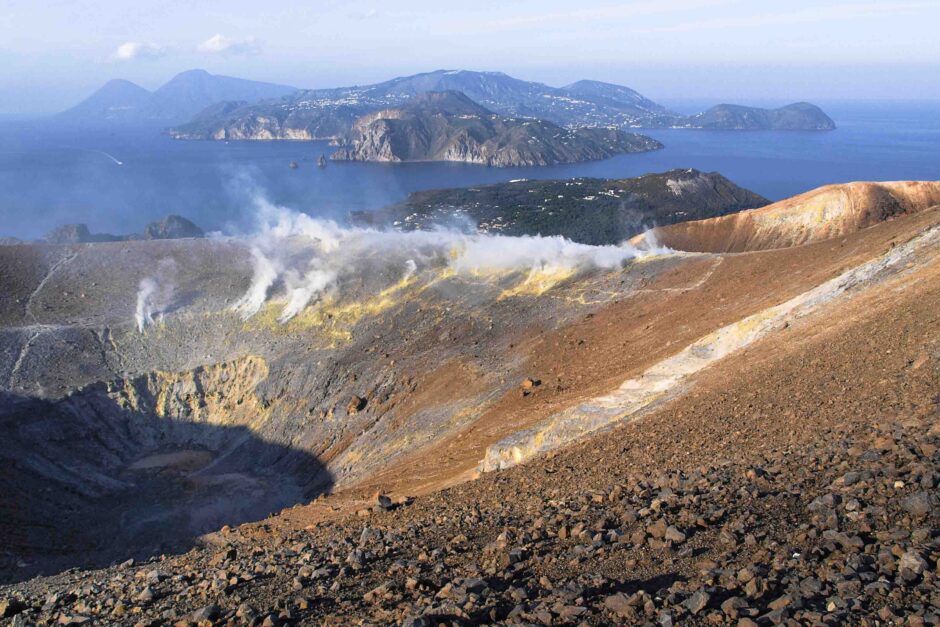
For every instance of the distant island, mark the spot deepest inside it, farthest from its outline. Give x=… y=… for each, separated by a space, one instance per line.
x=800 y=116
x=327 y=114
x=169 y=227
x=179 y=100
x=330 y=113
x=448 y=126
x=586 y=210
x=198 y=105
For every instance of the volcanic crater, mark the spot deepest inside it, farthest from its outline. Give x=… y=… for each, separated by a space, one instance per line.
x=413 y=371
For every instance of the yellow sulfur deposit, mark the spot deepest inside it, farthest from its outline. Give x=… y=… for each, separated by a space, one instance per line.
x=538 y=281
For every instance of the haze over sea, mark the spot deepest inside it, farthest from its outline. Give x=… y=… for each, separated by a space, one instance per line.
x=50 y=175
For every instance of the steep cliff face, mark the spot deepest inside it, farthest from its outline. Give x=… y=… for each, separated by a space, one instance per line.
x=448 y=126
x=267 y=122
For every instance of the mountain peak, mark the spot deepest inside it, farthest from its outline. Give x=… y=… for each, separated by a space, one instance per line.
x=193 y=72
x=177 y=100
x=118 y=100
x=587 y=82
x=121 y=83
x=615 y=94
x=190 y=76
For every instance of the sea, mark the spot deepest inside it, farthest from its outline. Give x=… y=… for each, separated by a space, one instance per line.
x=118 y=180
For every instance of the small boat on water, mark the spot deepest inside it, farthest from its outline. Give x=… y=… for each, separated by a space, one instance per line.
x=293 y=165
x=322 y=161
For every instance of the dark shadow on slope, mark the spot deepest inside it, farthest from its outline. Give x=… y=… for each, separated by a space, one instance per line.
x=85 y=482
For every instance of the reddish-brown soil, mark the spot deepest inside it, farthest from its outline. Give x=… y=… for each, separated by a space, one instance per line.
x=621 y=340
x=822 y=214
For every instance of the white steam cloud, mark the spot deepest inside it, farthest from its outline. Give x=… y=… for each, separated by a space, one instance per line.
x=303 y=259
x=131 y=50
x=301 y=288
x=145 y=292
x=410 y=268
x=222 y=45
x=649 y=240
x=265 y=273
x=155 y=293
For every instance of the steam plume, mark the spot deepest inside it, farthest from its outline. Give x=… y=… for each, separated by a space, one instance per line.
x=155 y=293
x=410 y=268
x=304 y=259
x=144 y=314
x=265 y=273
x=301 y=289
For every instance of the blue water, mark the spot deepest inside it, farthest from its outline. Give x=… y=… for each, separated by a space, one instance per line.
x=50 y=175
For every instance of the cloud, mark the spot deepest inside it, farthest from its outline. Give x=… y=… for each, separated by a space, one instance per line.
x=132 y=50
x=220 y=44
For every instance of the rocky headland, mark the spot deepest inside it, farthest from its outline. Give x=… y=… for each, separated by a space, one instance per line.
x=170 y=227
x=591 y=211
x=448 y=126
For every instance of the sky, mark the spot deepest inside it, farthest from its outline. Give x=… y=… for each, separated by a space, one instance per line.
x=55 y=52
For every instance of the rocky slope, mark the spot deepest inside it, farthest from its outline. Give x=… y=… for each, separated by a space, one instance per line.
x=824 y=213
x=791 y=482
x=448 y=126
x=800 y=116
x=591 y=211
